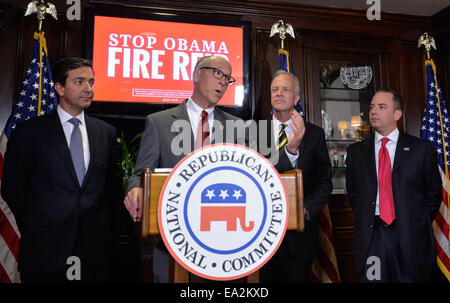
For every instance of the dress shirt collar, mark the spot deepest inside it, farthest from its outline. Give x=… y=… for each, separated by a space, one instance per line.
x=277 y=125
x=197 y=110
x=65 y=116
x=393 y=136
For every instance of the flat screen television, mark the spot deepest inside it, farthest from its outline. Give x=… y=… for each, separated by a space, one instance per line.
x=144 y=62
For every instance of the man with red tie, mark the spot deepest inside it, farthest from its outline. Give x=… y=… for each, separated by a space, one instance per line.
x=160 y=146
x=394 y=188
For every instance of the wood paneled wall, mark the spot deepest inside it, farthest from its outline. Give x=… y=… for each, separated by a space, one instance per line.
x=390 y=43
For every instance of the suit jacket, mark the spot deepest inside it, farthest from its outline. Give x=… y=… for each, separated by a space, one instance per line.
x=56 y=216
x=162 y=133
x=314 y=162
x=417 y=191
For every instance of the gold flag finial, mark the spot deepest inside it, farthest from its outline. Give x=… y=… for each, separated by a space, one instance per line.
x=428 y=42
x=282 y=29
x=41 y=9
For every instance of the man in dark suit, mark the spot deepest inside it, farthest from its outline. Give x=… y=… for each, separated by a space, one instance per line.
x=394 y=187
x=297 y=145
x=172 y=134
x=56 y=179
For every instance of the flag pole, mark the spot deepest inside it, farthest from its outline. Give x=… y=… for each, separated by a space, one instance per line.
x=321 y=271
x=41 y=9
x=430 y=62
x=23 y=109
x=41 y=40
x=428 y=42
x=284 y=30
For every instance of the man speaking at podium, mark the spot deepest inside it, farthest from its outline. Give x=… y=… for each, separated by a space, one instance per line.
x=211 y=78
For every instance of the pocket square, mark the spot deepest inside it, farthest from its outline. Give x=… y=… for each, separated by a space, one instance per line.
x=406 y=148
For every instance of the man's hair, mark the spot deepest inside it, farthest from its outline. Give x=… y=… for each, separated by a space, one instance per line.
x=64 y=65
x=202 y=62
x=396 y=97
x=294 y=77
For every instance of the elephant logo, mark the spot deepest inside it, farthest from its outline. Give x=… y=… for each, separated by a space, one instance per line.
x=223 y=211
x=224 y=202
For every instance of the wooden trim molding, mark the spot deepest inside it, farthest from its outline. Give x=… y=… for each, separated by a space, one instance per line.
x=4 y=8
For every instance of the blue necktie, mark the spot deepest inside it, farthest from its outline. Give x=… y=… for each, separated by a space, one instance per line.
x=76 y=150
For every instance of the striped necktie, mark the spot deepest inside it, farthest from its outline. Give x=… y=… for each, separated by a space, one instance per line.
x=282 y=137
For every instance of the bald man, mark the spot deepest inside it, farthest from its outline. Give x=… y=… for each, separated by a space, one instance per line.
x=211 y=78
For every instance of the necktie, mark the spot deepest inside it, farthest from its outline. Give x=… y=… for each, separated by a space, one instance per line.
x=282 y=137
x=76 y=150
x=386 y=199
x=203 y=131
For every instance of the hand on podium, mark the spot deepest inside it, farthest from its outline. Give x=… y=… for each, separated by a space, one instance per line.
x=133 y=203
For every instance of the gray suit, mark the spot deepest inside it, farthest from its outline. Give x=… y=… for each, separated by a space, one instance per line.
x=155 y=150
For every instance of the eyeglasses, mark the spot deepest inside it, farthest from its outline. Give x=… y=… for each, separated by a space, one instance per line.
x=220 y=74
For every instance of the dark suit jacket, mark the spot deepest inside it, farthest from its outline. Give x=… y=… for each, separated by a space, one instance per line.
x=417 y=190
x=57 y=217
x=155 y=150
x=314 y=162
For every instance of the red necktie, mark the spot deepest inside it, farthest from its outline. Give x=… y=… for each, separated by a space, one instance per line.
x=386 y=199
x=203 y=131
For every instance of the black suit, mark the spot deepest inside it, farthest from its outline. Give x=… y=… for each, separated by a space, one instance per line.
x=417 y=192
x=57 y=217
x=298 y=249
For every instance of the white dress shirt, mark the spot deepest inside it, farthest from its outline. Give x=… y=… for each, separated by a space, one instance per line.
x=64 y=117
x=195 y=116
x=391 y=146
x=276 y=126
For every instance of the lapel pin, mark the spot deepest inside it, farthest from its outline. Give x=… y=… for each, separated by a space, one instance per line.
x=406 y=148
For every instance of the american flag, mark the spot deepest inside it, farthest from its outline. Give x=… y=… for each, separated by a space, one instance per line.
x=324 y=268
x=36 y=97
x=436 y=128
x=286 y=66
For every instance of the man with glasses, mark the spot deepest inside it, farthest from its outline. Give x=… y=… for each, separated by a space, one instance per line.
x=211 y=78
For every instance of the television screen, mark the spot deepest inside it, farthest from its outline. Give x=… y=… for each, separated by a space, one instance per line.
x=151 y=61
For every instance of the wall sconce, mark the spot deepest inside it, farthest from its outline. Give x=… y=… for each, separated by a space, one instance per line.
x=356 y=123
x=342 y=126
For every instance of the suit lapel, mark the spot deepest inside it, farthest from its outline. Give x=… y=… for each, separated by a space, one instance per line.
x=270 y=132
x=273 y=144
x=220 y=120
x=302 y=147
x=180 y=113
x=369 y=154
x=401 y=151
x=60 y=143
x=92 y=134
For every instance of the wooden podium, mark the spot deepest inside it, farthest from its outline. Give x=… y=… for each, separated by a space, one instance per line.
x=153 y=183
